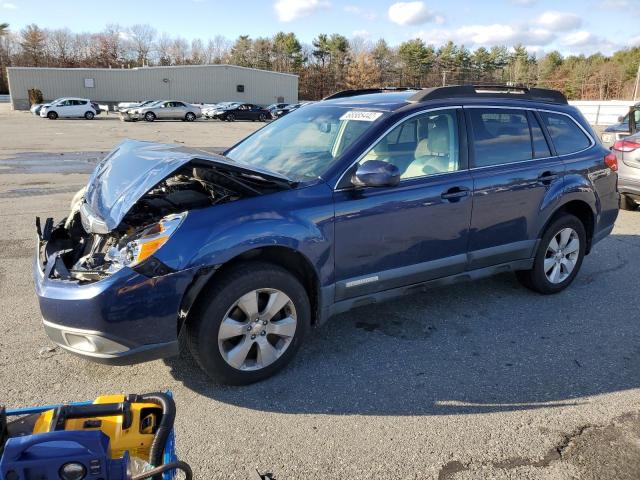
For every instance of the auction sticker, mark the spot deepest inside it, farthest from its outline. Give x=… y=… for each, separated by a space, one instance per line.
x=361 y=116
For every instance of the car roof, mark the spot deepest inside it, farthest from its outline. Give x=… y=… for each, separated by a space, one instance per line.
x=388 y=101
x=396 y=99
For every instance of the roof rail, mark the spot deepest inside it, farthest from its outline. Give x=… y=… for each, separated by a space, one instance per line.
x=365 y=91
x=492 y=91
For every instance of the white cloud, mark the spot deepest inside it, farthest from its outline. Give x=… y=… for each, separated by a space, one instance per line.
x=289 y=10
x=524 y=3
x=9 y=6
x=125 y=36
x=489 y=35
x=562 y=21
x=587 y=43
x=361 y=12
x=411 y=13
x=615 y=3
x=634 y=41
x=578 y=39
x=364 y=34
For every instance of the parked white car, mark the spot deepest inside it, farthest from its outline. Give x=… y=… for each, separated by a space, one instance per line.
x=215 y=110
x=69 y=108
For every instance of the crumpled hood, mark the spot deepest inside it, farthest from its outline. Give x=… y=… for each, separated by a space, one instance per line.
x=127 y=173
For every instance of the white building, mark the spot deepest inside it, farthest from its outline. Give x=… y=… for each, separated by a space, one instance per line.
x=190 y=83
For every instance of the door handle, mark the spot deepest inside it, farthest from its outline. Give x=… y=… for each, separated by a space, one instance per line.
x=547 y=177
x=455 y=193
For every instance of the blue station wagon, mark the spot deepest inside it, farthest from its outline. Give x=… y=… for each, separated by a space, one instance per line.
x=359 y=198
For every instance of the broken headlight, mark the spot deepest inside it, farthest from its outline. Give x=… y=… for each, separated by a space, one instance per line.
x=145 y=244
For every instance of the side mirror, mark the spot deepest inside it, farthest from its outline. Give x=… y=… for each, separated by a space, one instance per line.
x=376 y=173
x=620 y=118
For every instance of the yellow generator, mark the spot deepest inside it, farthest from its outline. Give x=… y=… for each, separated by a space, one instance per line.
x=130 y=424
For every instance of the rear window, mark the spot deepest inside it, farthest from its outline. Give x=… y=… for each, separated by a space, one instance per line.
x=500 y=136
x=566 y=136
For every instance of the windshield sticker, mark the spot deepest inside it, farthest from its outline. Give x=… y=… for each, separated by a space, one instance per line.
x=361 y=116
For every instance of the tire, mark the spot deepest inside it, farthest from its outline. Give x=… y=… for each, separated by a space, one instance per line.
x=545 y=282
x=190 y=117
x=262 y=117
x=230 y=117
x=89 y=115
x=52 y=115
x=627 y=204
x=206 y=334
x=149 y=116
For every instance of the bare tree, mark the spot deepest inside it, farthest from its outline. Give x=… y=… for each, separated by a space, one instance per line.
x=110 y=47
x=179 y=51
x=217 y=49
x=198 y=54
x=142 y=37
x=62 y=47
x=163 y=49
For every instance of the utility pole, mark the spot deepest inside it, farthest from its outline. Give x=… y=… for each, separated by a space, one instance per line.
x=635 y=90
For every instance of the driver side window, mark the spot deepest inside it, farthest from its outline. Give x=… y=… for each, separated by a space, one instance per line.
x=422 y=145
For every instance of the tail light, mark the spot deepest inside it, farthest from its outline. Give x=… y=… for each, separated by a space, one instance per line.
x=611 y=161
x=625 y=146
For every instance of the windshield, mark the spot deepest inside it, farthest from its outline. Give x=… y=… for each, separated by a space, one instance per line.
x=305 y=143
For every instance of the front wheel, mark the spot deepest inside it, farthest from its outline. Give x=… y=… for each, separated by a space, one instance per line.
x=149 y=116
x=89 y=115
x=52 y=115
x=230 y=117
x=249 y=323
x=559 y=256
x=262 y=117
x=190 y=117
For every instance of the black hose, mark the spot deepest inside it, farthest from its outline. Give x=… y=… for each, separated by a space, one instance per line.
x=156 y=452
x=158 y=471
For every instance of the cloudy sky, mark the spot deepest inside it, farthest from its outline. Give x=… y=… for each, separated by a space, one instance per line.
x=571 y=26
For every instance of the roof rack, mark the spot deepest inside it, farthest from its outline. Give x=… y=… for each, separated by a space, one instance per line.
x=492 y=91
x=366 y=91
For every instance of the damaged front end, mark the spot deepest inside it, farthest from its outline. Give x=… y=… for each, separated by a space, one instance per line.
x=135 y=200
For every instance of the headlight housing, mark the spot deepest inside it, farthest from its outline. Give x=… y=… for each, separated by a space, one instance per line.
x=145 y=244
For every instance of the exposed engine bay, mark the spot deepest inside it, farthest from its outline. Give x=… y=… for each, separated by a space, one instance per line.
x=69 y=252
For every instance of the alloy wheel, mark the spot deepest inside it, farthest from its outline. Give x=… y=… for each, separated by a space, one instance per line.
x=562 y=255
x=257 y=329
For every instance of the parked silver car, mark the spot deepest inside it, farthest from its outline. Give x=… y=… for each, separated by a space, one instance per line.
x=628 y=152
x=164 y=110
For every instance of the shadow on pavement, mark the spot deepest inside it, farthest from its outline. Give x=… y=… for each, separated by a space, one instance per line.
x=488 y=346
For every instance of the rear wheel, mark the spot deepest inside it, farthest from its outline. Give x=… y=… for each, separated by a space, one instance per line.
x=559 y=256
x=250 y=323
x=52 y=115
x=627 y=203
x=190 y=117
x=89 y=115
x=149 y=116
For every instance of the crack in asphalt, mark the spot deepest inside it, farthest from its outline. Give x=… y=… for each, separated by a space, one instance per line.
x=450 y=469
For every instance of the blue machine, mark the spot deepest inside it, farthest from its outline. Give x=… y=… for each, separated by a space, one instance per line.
x=65 y=455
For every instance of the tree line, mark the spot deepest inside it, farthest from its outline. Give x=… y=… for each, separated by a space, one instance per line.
x=330 y=63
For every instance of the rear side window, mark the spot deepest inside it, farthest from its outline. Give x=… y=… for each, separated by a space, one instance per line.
x=500 y=136
x=566 y=136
